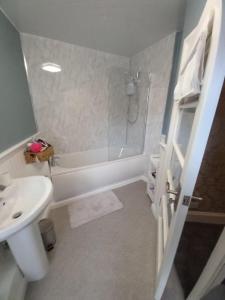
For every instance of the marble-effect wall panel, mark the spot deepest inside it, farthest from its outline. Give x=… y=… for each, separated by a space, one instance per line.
x=138 y=111
x=75 y=108
x=156 y=60
x=71 y=107
x=118 y=105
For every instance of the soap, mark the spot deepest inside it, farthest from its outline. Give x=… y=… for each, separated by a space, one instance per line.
x=35 y=147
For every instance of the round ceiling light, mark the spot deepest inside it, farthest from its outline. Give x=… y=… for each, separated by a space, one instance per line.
x=51 y=67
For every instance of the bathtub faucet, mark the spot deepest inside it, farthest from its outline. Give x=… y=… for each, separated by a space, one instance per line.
x=54 y=160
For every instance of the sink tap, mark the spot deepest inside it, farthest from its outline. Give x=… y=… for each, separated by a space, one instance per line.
x=2 y=194
x=5 y=181
x=54 y=160
x=2 y=188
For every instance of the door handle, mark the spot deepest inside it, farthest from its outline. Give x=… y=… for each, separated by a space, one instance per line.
x=173 y=192
x=187 y=199
x=196 y=198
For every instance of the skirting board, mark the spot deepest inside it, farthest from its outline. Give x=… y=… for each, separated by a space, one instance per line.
x=54 y=205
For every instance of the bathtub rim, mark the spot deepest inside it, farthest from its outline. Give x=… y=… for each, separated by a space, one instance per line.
x=57 y=170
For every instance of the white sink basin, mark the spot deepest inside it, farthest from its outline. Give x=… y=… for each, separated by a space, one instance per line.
x=20 y=206
x=22 y=202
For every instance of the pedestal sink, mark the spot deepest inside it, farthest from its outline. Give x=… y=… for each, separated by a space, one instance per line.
x=21 y=204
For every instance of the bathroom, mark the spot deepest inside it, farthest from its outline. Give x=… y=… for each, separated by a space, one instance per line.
x=87 y=112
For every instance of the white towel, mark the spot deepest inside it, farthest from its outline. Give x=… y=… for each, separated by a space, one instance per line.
x=191 y=73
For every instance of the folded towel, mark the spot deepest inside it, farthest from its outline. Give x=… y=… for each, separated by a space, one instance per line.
x=192 y=66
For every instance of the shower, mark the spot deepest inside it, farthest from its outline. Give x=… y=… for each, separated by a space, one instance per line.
x=132 y=93
x=128 y=106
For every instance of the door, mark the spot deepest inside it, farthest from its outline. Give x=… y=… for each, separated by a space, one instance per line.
x=188 y=134
x=179 y=184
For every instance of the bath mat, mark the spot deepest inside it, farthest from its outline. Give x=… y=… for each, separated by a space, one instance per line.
x=90 y=208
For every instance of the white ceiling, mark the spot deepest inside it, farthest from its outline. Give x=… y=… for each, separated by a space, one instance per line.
x=121 y=27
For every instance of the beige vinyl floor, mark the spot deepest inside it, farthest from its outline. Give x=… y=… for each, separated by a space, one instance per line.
x=111 y=258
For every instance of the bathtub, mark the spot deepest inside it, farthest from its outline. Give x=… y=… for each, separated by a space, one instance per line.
x=80 y=174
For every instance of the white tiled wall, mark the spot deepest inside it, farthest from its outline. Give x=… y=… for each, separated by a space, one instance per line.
x=156 y=59
x=71 y=107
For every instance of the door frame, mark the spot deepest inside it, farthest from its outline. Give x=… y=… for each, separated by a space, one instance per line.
x=209 y=97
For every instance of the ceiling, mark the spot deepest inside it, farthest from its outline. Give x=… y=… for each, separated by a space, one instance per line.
x=122 y=27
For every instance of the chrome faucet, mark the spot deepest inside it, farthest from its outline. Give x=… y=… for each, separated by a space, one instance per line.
x=5 y=181
x=53 y=160
x=2 y=187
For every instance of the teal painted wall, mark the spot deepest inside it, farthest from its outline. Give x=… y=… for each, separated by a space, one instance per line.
x=172 y=83
x=16 y=113
x=194 y=9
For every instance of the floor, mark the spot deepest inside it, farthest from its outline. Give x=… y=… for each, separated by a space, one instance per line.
x=112 y=258
x=173 y=290
x=195 y=247
x=218 y=293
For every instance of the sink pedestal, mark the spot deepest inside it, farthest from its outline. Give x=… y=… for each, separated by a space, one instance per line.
x=28 y=250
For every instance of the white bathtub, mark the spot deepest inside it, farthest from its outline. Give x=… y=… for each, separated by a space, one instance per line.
x=73 y=178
